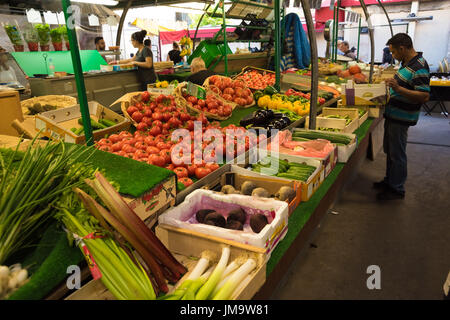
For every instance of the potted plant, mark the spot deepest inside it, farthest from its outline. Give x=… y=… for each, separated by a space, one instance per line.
x=56 y=36
x=43 y=31
x=32 y=39
x=65 y=36
x=15 y=37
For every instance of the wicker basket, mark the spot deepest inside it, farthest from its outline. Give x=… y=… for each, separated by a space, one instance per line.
x=59 y=101
x=191 y=110
x=249 y=68
x=209 y=90
x=135 y=97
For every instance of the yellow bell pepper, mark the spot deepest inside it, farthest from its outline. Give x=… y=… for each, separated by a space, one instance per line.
x=164 y=84
x=264 y=101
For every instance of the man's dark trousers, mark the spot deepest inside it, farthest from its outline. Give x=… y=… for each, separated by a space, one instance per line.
x=394 y=145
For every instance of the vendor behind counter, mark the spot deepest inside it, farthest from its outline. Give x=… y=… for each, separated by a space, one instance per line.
x=199 y=72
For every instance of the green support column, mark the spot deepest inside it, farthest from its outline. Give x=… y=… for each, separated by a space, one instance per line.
x=78 y=71
x=314 y=64
x=224 y=26
x=277 y=45
x=333 y=40
x=359 y=36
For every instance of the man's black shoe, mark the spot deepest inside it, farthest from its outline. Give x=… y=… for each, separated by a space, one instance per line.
x=389 y=194
x=382 y=185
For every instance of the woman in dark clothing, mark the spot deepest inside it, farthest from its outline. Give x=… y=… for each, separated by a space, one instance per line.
x=143 y=59
x=174 y=54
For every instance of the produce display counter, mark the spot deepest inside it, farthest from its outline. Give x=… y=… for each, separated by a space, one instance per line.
x=103 y=87
x=179 y=76
x=308 y=215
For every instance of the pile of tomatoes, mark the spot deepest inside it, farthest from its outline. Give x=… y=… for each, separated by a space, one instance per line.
x=231 y=90
x=211 y=104
x=160 y=115
x=256 y=80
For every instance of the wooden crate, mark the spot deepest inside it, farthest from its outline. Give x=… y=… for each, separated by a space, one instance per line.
x=238 y=61
x=10 y=110
x=339 y=124
x=56 y=124
x=95 y=290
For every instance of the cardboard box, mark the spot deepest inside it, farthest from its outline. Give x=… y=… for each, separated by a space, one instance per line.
x=155 y=201
x=309 y=186
x=183 y=217
x=364 y=94
x=340 y=124
x=56 y=124
x=343 y=152
x=237 y=175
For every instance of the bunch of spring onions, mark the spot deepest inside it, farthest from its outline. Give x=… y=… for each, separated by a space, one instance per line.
x=220 y=282
x=121 y=272
x=30 y=183
x=160 y=262
x=11 y=279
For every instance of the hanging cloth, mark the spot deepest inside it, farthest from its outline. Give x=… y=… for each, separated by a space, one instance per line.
x=296 y=51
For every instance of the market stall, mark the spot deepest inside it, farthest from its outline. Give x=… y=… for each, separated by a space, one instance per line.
x=185 y=218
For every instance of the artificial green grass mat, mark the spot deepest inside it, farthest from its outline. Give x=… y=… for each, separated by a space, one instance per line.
x=237 y=115
x=132 y=177
x=48 y=264
x=303 y=212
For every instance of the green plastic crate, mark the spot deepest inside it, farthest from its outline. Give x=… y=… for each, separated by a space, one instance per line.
x=208 y=52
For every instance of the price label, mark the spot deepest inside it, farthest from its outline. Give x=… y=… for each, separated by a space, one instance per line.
x=196 y=91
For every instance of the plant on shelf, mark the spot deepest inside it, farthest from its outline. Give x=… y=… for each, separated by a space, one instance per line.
x=43 y=31
x=56 y=36
x=14 y=35
x=32 y=38
x=65 y=36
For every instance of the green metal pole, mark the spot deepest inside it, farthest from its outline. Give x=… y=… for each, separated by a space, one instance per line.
x=372 y=43
x=337 y=27
x=314 y=64
x=78 y=71
x=359 y=37
x=224 y=26
x=277 y=45
x=332 y=36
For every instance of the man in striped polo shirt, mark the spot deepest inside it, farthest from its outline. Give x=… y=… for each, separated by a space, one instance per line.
x=409 y=89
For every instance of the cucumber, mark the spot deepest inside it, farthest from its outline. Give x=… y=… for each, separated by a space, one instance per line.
x=95 y=125
x=107 y=123
x=73 y=129
x=290 y=176
x=333 y=138
x=79 y=131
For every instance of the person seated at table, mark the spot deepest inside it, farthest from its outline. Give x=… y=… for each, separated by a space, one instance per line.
x=345 y=48
x=199 y=73
x=7 y=73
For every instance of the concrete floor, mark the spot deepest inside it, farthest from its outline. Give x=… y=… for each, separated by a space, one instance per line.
x=408 y=239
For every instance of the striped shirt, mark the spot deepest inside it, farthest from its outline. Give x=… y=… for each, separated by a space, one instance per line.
x=415 y=75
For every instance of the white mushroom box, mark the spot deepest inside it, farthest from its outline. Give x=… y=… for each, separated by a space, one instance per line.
x=276 y=212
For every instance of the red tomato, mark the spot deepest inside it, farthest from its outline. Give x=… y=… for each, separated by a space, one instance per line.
x=116 y=147
x=166 y=154
x=129 y=140
x=181 y=172
x=155 y=130
x=166 y=116
x=128 y=148
x=115 y=138
x=201 y=103
x=131 y=110
x=137 y=116
x=152 y=150
x=156 y=160
x=190 y=125
x=186 y=181
x=185 y=117
x=141 y=154
x=145 y=96
x=147 y=112
x=105 y=148
x=157 y=123
x=142 y=126
x=191 y=169
x=202 y=172
x=147 y=120
x=140 y=145
x=157 y=116
x=212 y=166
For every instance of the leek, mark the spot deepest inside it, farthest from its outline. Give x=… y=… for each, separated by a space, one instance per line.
x=235 y=279
x=236 y=263
x=196 y=285
x=30 y=183
x=206 y=290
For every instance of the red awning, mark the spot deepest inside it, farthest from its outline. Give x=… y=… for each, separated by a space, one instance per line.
x=356 y=3
x=168 y=37
x=325 y=14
